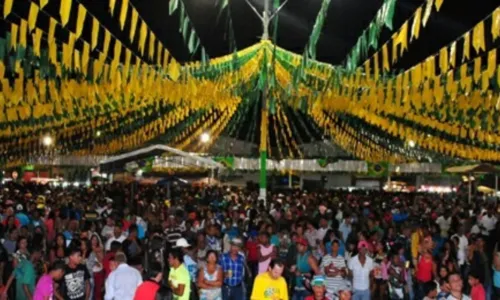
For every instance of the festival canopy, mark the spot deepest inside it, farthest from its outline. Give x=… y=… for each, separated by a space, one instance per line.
x=419 y=82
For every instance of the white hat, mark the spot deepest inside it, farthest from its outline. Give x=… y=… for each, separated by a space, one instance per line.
x=48 y=192
x=182 y=243
x=19 y=207
x=108 y=200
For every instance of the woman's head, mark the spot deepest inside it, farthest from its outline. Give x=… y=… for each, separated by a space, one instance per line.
x=60 y=240
x=443 y=272
x=211 y=257
x=95 y=242
x=22 y=243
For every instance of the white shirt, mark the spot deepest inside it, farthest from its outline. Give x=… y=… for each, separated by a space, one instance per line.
x=360 y=273
x=120 y=239
x=444 y=224
x=488 y=223
x=464 y=297
x=122 y=283
x=463 y=243
x=321 y=232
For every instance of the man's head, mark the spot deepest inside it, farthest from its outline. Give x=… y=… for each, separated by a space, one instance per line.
x=119 y=258
x=430 y=289
x=132 y=231
x=335 y=246
x=473 y=279
x=236 y=245
x=455 y=282
x=363 y=247
x=56 y=270
x=117 y=230
x=318 y=287
x=115 y=246
x=156 y=272
x=175 y=258
x=75 y=256
x=301 y=245
x=276 y=267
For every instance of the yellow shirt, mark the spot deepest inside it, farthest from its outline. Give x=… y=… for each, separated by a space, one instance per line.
x=265 y=287
x=180 y=276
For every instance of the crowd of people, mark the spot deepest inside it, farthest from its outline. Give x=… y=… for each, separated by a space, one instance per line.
x=96 y=242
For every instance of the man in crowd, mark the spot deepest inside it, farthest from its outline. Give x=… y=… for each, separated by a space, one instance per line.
x=148 y=289
x=270 y=284
x=123 y=280
x=233 y=266
x=360 y=267
x=335 y=269
x=179 y=280
x=75 y=283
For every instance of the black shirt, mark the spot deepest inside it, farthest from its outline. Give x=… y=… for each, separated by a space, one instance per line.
x=73 y=283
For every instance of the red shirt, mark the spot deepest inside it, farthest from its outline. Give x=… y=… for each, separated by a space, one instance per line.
x=312 y=298
x=105 y=263
x=147 y=290
x=477 y=292
x=252 y=249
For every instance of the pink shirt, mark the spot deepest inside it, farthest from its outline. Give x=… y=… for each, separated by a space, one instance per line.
x=44 y=288
x=263 y=265
x=477 y=292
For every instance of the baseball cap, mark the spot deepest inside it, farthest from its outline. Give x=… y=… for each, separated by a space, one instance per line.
x=318 y=280
x=363 y=244
x=302 y=241
x=182 y=243
x=237 y=242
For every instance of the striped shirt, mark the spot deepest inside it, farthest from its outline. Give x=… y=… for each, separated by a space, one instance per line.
x=333 y=284
x=173 y=234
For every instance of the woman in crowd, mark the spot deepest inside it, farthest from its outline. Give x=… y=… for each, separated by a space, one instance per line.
x=210 y=278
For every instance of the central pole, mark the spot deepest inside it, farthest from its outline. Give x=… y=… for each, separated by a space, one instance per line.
x=264 y=120
x=266 y=18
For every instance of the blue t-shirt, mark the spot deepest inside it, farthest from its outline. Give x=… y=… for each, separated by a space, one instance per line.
x=192 y=267
x=23 y=219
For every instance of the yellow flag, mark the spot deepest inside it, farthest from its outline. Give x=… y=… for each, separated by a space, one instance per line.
x=53 y=52
x=7 y=7
x=477 y=69
x=33 y=15
x=430 y=68
x=65 y=11
x=85 y=57
x=417 y=23
x=43 y=3
x=453 y=54
x=52 y=29
x=37 y=38
x=151 y=45
x=112 y=6
x=427 y=12
x=22 y=33
x=443 y=60
x=123 y=13
x=95 y=33
x=118 y=50
x=107 y=40
x=77 y=60
x=492 y=62
x=2 y=74
x=416 y=75
x=80 y=21
x=466 y=49
x=495 y=24
x=438 y=4
x=166 y=56
x=478 y=37
x=158 y=53
x=403 y=37
x=128 y=55
x=385 y=58
x=133 y=24
x=13 y=35
x=375 y=66
x=142 y=37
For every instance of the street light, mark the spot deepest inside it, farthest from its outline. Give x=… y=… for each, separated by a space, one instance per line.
x=47 y=141
x=411 y=143
x=98 y=133
x=205 y=137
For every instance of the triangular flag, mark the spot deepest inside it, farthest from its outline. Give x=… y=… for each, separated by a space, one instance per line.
x=85 y=57
x=478 y=37
x=53 y=52
x=142 y=37
x=77 y=59
x=427 y=12
x=43 y=3
x=13 y=35
x=376 y=71
x=438 y=4
x=453 y=54
x=123 y=13
x=495 y=24
x=118 y=50
x=466 y=49
x=112 y=6
x=52 y=29
x=82 y=12
x=492 y=63
x=158 y=53
x=417 y=23
x=403 y=37
x=128 y=55
x=107 y=40
x=133 y=24
x=166 y=56
x=395 y=45
x=33 y=15
x=65 y=11
x=37 y=37
x=477 y=69
x=151 y=45
x=23 y=30
x=443 y=60
x=95 y=33
x=7 y=7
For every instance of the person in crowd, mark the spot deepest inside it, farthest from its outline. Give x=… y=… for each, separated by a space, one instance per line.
x=271 y=284
x=306 y=265
x=430 y=291
x=148 y=289
x=477 y=290
x=44 y=289
x=118 y=236
x=210 y=277
x=265 y=252
x=456 y=288
x=361 y=267
x=24 y=275
x=123 y=280
x=318 y=288
x=75 y=284
x=233 y=267
x=179 y=280
x=334 y=267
